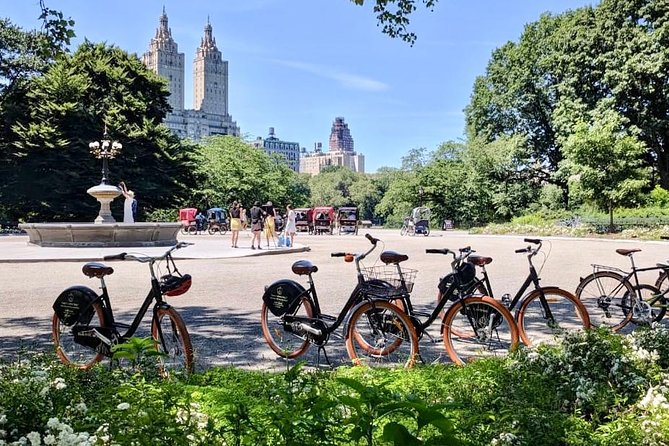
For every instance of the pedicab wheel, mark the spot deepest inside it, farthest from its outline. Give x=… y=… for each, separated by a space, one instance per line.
x=427 y=232
x=212 y=230
x=223 y=229
x=191 y=230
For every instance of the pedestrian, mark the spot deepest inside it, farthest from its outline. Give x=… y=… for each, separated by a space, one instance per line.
x=291 y=226
x=129 y=205
x=257 y=218
x=242 y=216
x=270 y=227
x=235 y=222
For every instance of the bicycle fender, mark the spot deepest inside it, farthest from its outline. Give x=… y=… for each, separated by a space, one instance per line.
x=75 y=304
x=283 y=296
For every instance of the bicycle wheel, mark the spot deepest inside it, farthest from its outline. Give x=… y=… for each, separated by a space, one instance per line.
x=212 y=230
x=566 y=311
x=477 y=327
x=651 y=308
x=602 y=294
x=282 y=339
x=380 y=334
x=71 y=352
x=403 y=231
x=171 y=337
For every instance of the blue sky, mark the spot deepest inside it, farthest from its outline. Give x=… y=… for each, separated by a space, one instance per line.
x=296 y=65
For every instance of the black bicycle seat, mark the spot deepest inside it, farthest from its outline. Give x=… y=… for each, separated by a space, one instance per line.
x=95 y=269
x=389 y=257
x=626 y=252
x=304 y=267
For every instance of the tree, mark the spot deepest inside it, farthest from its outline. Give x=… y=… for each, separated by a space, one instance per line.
x=395 y=23
x=228 y=169
x=46 y=165
x=606 y=160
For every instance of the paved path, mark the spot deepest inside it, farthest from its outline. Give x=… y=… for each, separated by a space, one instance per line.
x=222 y=307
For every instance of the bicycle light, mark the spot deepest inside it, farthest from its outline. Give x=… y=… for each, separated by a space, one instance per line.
x=349 y=258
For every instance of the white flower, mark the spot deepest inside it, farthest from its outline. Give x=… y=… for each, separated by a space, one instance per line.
x=123 y=406
x=3 y=418
x=81 y=407
x=49 y=439
x=35 y=438
x=59 y=383
x=53 y=423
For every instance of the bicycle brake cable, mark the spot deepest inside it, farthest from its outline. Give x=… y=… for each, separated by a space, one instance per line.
x=546 y=255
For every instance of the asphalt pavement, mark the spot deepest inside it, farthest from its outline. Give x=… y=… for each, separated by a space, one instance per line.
x=222 y=308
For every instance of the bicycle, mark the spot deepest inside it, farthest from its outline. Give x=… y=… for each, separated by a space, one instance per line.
x=613 y=300
x=486 y=327
x=542 y=313
x=375 y=330
x=84 y=328
x=407 y=227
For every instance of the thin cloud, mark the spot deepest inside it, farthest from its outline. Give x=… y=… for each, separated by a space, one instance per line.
x=348 y=80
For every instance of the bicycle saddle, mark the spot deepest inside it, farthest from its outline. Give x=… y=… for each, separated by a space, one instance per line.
x=304 y=267
x=626 y=252
x=479 y=260
x=389 y=257
x=95 y=269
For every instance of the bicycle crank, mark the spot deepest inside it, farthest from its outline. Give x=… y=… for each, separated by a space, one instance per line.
x=642 y=312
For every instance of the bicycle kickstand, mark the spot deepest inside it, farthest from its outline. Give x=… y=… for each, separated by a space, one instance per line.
x=321 y=348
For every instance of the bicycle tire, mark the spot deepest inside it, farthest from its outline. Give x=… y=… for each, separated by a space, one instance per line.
x=478 y=289
x=380 y=334
x=602 y=294
x=652 y=296
x=212 y=230
x=68 y=351
x=403 y=231
x=495 y=332
x=569 y=314
x=173 y=340
x=284 y=343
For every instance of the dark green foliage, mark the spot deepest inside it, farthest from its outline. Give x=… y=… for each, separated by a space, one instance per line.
x=46 y=164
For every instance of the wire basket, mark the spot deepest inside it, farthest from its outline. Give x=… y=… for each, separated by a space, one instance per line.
x=389 y=274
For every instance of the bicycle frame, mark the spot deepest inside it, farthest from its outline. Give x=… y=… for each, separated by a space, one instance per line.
x=626 y=275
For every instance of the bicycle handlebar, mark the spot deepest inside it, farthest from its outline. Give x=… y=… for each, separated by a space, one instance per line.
x=338 y=254
x=438 y=251
x=372 y=240
x=145 y=259
x=536 y=241
x=120 y=256
x=522 y=250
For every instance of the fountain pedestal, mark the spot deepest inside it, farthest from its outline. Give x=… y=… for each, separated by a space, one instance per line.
x=105 y=194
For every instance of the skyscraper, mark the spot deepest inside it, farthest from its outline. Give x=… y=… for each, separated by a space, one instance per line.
x=209 y=115
x=341 y=152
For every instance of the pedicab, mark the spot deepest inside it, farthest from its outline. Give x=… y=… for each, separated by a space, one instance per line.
x=304 y=220
x=218 y=221
x=347 y=220
x=324 y=218
x=187 y=219
x=420 y=217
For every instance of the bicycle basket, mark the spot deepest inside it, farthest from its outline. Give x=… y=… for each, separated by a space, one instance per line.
x=175 y=285
x=389 y=274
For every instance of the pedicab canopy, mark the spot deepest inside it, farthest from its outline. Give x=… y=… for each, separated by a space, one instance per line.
x=217 y=214
x=421 y=213
x=187 y=215
x=324 y=213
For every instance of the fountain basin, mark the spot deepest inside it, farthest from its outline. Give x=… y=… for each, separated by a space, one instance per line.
x=102 y=235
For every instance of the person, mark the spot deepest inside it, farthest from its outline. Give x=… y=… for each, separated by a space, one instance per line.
x=291 y=226
x=242 y=216
x=270 y=228
x=200 y=221
x=235 y=222
x=129 y=205
x=256 y=224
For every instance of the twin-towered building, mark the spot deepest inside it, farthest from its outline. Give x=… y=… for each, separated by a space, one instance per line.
x=210 y=114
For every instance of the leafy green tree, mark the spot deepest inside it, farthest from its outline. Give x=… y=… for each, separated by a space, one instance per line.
x=606 y=160
x=46 y=164
x=228 y=169
x=395 y=22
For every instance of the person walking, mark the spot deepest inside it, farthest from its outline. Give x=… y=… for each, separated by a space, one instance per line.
x=256 y=224
x=129 y=205
x=291 y=225
x=235 y=223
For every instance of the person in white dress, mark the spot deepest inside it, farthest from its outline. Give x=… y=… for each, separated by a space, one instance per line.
x=291 y=227
x=128 y=204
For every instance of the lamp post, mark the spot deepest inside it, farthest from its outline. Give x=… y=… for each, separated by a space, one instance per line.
x=105 y=149
x=104 y=192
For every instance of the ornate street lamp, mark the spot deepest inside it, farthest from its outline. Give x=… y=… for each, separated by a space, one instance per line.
x=105 y=149
x=104 y=192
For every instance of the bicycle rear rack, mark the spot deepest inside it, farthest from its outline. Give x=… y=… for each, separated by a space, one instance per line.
x=597 y=268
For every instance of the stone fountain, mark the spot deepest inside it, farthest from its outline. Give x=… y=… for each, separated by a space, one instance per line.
x=104 y=231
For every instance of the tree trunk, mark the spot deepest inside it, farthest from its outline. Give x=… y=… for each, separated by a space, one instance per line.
x=611 y=228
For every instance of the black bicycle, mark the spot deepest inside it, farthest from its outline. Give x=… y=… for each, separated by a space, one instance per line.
x=615 y=297
x=376 y=331
x=542 y=312
x=84 y=328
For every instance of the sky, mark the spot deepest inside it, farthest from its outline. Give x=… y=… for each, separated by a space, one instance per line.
x=295 y=65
